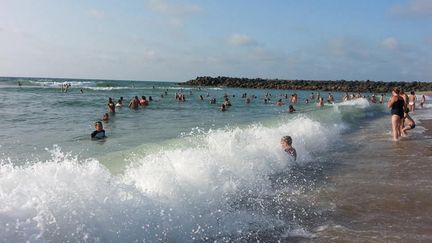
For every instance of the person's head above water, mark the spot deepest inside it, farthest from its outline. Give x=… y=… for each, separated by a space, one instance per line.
x=287 y=140
x=98 y=126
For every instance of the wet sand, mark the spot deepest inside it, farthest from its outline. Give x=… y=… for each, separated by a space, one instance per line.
x=383 y=190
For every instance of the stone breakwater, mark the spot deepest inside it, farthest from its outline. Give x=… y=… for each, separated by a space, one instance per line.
x=324 y=85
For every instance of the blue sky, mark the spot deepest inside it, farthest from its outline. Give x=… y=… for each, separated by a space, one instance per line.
x=171 y=40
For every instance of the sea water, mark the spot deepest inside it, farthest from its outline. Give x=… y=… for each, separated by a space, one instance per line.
x=172 y=171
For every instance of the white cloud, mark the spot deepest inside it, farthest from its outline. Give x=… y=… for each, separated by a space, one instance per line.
x=240 y=40
x=390 y=43
x=413 y=8
x=177 y=12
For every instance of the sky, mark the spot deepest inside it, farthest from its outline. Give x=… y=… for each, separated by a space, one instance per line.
x=173 y=40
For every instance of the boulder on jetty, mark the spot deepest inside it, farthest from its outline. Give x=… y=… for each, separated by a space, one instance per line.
x=323 y=85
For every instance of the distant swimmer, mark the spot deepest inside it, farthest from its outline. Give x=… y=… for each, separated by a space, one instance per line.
x=412 y=98
x=291 y=109
x=120 y=102
x=19 y=84
x=105 y=117
x=373 y=99
x=99 y=133
x=223 y=108
x=320 y=102
x=286 y=142
x=143 y=101
x=134 y=103
x=330 y=98
x=279 y=102
x=422 y=101
x=227 y=102
x=111 y=105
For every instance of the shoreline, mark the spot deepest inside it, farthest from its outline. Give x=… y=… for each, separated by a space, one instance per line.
x=384 y=191
x=322 y=85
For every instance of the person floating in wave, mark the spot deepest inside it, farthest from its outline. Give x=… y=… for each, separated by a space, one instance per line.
x=99 y=133
x=286 y=142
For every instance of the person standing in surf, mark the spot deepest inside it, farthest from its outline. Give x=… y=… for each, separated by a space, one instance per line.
x=286 y=142
x=412 y=98
x=397 y=105
x=422 y=101
x=111 y=105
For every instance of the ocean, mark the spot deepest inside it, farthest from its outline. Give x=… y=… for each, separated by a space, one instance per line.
x=187 y=172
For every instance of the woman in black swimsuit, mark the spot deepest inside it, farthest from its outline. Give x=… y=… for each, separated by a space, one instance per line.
x=396 y=103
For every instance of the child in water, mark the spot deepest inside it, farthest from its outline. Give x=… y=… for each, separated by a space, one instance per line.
x=99 y=133
x=286 y=142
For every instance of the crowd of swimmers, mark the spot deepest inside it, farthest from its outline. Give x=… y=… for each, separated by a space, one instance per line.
x=401 y=104
x=399 y=108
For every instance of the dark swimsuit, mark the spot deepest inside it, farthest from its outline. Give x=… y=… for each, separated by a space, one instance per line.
x=398 y=108
x=98 y=134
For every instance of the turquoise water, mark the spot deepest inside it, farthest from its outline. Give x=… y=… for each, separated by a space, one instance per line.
x=172 y=171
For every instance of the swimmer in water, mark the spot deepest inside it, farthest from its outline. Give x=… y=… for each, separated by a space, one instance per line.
x=111 y=105
x=105 y=117
x=99 y=133
x=291 y=109
x=222 y=108
x=286 y=142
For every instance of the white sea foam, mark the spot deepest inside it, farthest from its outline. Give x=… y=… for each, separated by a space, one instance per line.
x=58 y=84
x=359 y=103
x=181 y=194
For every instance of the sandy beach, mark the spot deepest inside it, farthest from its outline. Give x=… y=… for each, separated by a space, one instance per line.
x=387 y=195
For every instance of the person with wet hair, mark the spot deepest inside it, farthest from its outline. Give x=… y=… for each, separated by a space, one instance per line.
x=286 y=142
x=99 y=133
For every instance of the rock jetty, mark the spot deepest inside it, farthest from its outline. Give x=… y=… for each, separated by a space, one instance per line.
x=323 y=85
